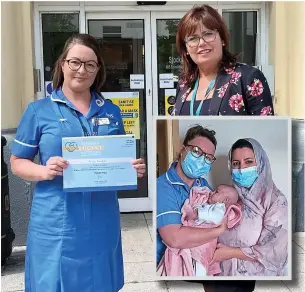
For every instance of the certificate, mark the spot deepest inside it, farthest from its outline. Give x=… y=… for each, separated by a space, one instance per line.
x=99 y=163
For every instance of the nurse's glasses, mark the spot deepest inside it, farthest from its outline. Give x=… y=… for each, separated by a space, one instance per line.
x=75 y=64
x=198 y=152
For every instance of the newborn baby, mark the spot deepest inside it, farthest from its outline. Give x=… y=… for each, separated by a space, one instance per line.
x=217 y=203
x=212 y=211
x=203 y=209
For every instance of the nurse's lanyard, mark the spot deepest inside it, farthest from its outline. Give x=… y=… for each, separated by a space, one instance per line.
x=94 y=121
x=209 y=89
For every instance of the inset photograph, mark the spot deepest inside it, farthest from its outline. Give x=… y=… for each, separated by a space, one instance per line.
x=223 y=198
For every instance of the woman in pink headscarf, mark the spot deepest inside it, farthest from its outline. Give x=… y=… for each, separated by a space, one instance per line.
x=258 y=245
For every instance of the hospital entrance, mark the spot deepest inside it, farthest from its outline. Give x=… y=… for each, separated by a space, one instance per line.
x=142 y=65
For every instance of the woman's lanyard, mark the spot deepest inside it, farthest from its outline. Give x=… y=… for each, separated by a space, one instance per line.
x=209 y=89
x=94 y=122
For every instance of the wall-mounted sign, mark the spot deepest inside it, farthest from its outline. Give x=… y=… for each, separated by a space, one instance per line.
x=128 y=102
x=136 y=81
x=166 y=80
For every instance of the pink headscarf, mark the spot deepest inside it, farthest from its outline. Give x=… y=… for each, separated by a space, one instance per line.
x=263 y=232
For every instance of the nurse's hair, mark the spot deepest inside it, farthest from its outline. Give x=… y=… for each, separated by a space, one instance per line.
x=90 y=42
x=199 y=131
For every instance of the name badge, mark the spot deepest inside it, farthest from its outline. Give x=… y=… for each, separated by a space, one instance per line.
x=102 y=121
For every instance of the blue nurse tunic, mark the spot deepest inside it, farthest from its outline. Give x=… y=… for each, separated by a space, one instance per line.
x=74 y=239
x=172 y=192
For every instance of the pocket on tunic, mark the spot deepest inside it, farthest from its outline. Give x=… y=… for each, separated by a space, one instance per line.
x=114 y=127
x=111 y=129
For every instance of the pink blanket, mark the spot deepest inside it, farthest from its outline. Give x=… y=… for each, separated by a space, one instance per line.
x=179 y=262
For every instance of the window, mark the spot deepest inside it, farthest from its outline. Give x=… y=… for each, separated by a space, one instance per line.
x=168 y=60
x=56 y=29
x=243 y=33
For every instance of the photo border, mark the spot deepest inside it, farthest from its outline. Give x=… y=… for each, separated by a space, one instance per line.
x=288 y=197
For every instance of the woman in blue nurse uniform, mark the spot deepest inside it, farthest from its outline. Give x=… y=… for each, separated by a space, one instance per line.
x=74 y=239
x=173 y=188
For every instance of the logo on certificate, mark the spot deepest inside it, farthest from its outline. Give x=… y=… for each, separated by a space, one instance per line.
x=70 y=146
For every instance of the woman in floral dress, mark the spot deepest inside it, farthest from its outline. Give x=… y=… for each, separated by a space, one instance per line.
x=212 y=81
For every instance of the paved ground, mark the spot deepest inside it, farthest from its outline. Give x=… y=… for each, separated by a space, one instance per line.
x=139 y=270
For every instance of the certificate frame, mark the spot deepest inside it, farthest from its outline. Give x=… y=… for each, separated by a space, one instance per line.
x=99 y=163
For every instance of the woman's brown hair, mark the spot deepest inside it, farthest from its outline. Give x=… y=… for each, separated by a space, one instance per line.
x=211 y=19
x=90 y=42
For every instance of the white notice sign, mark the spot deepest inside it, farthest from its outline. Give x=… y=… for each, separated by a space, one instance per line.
x=136 y=81
x=166 y=80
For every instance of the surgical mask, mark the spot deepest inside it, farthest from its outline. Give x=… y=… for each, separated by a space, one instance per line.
x=195 y=167
x=245 y=177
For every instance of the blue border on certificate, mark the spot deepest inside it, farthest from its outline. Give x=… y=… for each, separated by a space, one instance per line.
x=99 y=163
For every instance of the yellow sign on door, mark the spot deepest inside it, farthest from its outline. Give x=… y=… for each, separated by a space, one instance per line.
x=128 y=102
x=170 y=98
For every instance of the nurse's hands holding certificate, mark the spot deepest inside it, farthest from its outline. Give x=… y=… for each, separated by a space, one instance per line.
x=55 y=166
x=140 y=166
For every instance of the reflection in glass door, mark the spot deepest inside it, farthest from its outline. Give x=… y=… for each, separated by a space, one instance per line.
x=243 y=34
x=168 y=68
x=122 y=40
x=56 y=29
x=168 y=62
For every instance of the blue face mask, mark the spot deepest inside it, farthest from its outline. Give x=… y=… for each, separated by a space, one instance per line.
x=245 y=177
x=195 y=167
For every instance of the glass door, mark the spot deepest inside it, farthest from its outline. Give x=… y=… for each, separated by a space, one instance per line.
x=142 y=64
x=165 y=60
x=125 y=43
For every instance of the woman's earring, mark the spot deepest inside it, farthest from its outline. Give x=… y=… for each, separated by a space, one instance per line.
x=223 y=45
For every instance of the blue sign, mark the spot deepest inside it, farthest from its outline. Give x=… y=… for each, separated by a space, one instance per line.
x=49 y=87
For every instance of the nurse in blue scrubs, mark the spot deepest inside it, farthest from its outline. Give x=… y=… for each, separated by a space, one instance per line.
x=173 y=188
x=74 y=239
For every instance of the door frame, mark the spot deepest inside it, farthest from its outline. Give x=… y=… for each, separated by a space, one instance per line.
x=144 y=203
x=154 y=17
